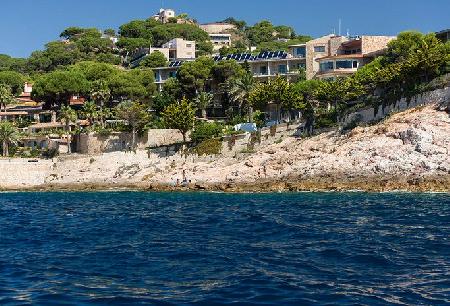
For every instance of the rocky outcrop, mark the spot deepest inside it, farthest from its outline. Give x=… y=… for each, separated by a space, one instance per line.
x=408 y=151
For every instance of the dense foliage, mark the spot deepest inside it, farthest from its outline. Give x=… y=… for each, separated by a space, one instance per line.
x=88 y=64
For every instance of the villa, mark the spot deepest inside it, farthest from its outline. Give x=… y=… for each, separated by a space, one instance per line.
x=333 y=56
x=174 y=50
x=219 y=33
x=327 y=57
x=164 y=15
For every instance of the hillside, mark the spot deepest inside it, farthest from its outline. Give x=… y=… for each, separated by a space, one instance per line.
x=408 y=151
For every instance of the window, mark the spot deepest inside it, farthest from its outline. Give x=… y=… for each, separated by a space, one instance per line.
x=188 y=45
x=319 y=48
x=300 y=51
x=325 y=66
x=263 y=70
x=172 y=74
x=282 y=69
x=344 y=64
x=355 y=64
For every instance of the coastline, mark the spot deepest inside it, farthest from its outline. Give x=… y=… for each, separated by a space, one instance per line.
x=439 y=184
x=408 y=152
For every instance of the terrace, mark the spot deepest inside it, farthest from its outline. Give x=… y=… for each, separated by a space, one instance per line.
x=340 y=65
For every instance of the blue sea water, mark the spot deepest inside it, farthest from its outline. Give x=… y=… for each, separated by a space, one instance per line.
x=137 y=248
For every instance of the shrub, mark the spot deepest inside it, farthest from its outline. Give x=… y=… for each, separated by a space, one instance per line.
x=35 y=152
x=103 y=132
x=50 y=153
x=259 y=118
x=208 y=147
x=206 y=130
x=325 y=120
x=236 y=120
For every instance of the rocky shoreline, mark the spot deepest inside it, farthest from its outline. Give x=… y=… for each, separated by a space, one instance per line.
x=407 y=152
x=440 y=184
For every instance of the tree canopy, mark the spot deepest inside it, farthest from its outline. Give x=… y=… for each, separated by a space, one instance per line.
x=154 y=60
x=14 y=80
x=56 y=88
x=180 y=116
x=193 y=75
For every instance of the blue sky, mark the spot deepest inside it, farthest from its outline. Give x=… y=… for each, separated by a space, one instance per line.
x=26 y=25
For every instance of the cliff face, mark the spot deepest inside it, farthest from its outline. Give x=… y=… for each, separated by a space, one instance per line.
x=408 y=151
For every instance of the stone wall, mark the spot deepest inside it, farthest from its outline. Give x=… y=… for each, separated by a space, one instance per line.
x=19 y=173
x=331 y=43
x=371 y=44
x=236 y=144
x=311 y=65
x=371 y=114
x=95 y=144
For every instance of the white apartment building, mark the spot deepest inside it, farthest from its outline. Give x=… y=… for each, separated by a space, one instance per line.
x=180 y=49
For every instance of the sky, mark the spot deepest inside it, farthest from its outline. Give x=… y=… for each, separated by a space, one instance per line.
x=27 y=25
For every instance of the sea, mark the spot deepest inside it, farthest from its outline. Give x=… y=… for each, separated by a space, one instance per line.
x=143 y=248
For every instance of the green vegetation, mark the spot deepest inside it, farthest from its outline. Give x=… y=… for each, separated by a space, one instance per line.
x=8 y=136
x=136 y=116
x=208 y=147
x=6 y=96
x=206 y=130
x=87 y=64
x=180 y=116
x=156 y=59
x=67 y=115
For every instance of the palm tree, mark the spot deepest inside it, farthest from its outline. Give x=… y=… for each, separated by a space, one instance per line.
x=6 y=96
x=100 y=94
x=202 y=102
x=90 y=112
x=68 y=115
x=8 y=136
x=239 y=90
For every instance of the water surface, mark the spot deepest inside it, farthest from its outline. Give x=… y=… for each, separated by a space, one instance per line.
x=134 y=248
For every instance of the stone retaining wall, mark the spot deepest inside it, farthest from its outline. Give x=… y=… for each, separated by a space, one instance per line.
x=371 y=114
x=236 y=144
x=96 y=144
x=17 y=173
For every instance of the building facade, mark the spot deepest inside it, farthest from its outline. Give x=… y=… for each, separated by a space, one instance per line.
x=220 y=40
x=180 y=49
x=264 y=66
x=164 y=15
x=443 y=35
x=176 y=49
x=327 y=57
x=332 y=56
x=219 y=34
